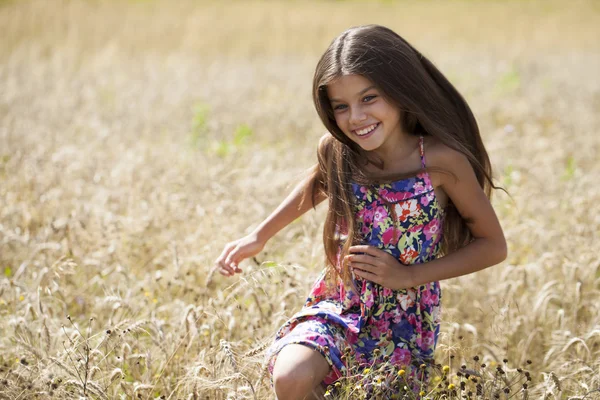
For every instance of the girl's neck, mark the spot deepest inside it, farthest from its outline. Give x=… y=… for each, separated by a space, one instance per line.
x=395 y=157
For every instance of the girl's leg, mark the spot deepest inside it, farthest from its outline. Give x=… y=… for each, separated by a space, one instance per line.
x=298 y=371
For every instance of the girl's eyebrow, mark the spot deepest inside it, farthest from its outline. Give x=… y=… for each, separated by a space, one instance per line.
x=359 y=93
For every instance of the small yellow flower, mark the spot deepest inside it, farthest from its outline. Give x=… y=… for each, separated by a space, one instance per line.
x=337 y=384
x=327 y=393
x=451 y=386
x=367 y=370
x=421 y=393
x=446 y=369
x=21 y=297
x=358 y=386
x=422 y=366
x=155 y=300
x=437 y=379
x=147 y=294
x=401 y=372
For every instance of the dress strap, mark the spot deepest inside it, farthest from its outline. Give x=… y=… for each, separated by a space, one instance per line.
x=422 y=152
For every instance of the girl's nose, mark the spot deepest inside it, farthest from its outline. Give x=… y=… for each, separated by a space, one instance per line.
x=357 y=115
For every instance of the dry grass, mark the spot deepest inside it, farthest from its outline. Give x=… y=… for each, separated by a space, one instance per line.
x=137 y=138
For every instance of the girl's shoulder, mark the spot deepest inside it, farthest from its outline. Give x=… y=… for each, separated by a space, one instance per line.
x=444 y=161
x=440 y=155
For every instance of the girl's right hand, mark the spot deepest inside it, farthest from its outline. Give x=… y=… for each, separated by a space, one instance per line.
x=237 y=251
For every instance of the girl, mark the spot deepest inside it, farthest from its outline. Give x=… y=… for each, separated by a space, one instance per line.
x=407 y=179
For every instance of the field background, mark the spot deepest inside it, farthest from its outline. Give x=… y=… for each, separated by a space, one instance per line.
x=137 y=138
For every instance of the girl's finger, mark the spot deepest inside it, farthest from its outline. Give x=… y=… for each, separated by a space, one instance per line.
x=224 y=272
x=232 y=257
x=227 y=268
x=361 y=258
x=362 y=266
x=226 y=251
x=366 y=274
x=369 y=250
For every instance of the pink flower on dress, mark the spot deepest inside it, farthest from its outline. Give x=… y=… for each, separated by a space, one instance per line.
x=382 y=324
x=400 y=357
x=352 y=338
x=380 y=215
x=374 y=332
x=320 y=339
x=432 y=229
x=369 y=299
x=319 y=289
x=366 y=215
x=429 y=298
x=395 y=197
x=426 y=199
x=391 y=235
x=407 y=209
x=419 y=187
x=412 y=319
x=387 y=292
x=428 y=339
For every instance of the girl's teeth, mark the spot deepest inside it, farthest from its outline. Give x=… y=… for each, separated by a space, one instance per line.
x=363 y=132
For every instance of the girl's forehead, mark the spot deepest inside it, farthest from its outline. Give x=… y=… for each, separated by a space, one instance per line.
x=350 y=85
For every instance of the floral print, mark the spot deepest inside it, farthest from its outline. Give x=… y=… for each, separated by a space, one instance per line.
x=404 y=219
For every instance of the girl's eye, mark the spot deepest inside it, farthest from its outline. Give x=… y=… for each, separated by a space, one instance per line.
x=339 y=107
x=366 y=99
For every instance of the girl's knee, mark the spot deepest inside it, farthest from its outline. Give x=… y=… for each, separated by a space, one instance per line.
x=298 y=369
x=289 y=383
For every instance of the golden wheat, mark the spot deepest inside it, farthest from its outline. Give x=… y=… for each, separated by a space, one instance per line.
x=137 y=138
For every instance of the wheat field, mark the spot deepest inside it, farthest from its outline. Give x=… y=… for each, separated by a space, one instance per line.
x=138 y=137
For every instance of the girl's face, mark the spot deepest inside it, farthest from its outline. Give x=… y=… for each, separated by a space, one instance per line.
x=363 y=114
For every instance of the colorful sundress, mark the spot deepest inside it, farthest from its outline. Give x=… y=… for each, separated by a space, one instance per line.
x=402 y=324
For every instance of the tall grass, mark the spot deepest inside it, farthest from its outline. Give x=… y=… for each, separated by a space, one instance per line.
x=137 y=138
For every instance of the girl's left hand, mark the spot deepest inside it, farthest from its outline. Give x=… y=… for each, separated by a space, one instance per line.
x=380 y=267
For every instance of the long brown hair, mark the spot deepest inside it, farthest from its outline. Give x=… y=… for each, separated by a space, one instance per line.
x=431 y=106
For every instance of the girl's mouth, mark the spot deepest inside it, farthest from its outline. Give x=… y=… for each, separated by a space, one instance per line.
x=364 y=133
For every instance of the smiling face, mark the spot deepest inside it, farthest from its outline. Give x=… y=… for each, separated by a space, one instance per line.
x=364 y=115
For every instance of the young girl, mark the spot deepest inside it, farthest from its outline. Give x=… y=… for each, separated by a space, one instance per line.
x=408 y=180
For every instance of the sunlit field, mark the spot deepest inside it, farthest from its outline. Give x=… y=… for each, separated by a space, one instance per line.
x=137 y=138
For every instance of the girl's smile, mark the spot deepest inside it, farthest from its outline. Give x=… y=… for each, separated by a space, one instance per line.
x=364 y=133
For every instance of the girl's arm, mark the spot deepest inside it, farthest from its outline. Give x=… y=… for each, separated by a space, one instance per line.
x=295 y=204
x=488 y=247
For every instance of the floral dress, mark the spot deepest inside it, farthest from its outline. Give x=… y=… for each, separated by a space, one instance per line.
x=402 y=324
